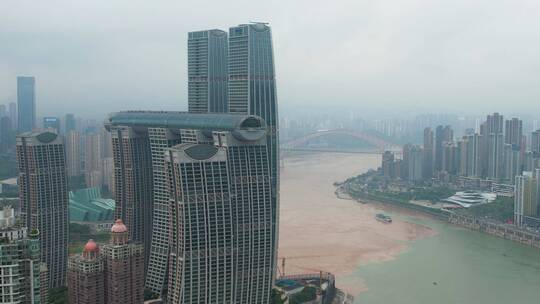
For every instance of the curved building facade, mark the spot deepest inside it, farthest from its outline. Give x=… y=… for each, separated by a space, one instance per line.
x=213 y=228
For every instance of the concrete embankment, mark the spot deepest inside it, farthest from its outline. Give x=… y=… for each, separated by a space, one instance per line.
x=501 y=230
x=505 y=231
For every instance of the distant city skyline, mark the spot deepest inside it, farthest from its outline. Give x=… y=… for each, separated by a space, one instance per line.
x=362 y=55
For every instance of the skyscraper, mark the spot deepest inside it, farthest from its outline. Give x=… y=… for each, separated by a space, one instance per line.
x=513 y=161
x=470 y=155
x=73 y=153
x=535 y=143
x=111 y=275
x=513 y=133
x=252 y=90
x=414 y=163
x=218 y=213
x=387 y=164
x=207 y=71
x=7 y=136
x=124 y=267
x=21 y=270
x=242 y=145
x=494 y=145
x=442 y=134
x=43 y=197
x=70 y=123
x=494 y=123
x=427 y=166
x=26 y=102
x=449 y=157
x=86 y=276
x=133 y=184
x=13 y=115
x=495 y=155
x=92 y=160
x=526 y=198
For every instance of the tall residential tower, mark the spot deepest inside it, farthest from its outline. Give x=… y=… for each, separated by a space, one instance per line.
x=213 y=221
x=43 y=194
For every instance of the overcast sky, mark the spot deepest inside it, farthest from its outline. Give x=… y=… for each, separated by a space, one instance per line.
x=94 y=57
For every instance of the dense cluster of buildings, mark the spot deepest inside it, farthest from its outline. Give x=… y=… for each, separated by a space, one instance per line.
x=200 y=189
x=499 y=155
x=23 y=277
x=87 y=144
x=196 y=193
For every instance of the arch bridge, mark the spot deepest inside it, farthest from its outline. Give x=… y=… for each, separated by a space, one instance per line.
x=380 y=144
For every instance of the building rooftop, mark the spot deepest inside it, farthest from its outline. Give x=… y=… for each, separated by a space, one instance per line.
x=91 y=246
x=243 y=127
x=119 y=227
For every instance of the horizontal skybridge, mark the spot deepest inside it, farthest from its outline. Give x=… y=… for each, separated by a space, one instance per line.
x=185 y=120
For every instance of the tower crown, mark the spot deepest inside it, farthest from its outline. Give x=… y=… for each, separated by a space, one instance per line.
x=118 y=227
x=91 y=250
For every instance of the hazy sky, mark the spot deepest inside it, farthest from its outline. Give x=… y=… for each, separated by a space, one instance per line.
x=98 y=56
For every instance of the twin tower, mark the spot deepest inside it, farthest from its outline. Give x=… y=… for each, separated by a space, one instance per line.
x=200 y=189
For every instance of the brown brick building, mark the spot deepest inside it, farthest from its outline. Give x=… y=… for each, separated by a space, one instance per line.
x=114 y=274
x=86 y=276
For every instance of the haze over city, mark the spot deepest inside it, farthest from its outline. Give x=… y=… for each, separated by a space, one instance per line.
x=302 y=152
x=373 y=56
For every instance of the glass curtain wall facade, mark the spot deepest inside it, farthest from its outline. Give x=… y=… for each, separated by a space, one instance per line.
x=207 y=71
x=252 y=90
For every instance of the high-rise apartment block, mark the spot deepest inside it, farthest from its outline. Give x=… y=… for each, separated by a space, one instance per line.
x=187 y=150
x=73 y=153
x=526 y=197
x=86 y=276
x=43 y=195
x=13 y=115
x=513 y=133
x=469 y=155
x=124 y=267
x=428 y=151
x=110 y=274
x=7 y=135
x=26 y=102
x=21 y=271
x=92 y=160
x=387 y=164
x=442 y=134
x=535 y=142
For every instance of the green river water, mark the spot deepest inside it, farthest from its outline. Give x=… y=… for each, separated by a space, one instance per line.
x=457 y=266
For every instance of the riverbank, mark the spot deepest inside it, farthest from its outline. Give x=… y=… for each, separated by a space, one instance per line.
x=319 y=231
x=372 y=260
x=505 y=231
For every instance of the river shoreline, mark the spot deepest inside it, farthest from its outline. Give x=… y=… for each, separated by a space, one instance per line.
x=500 y=230
x=318 y=231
